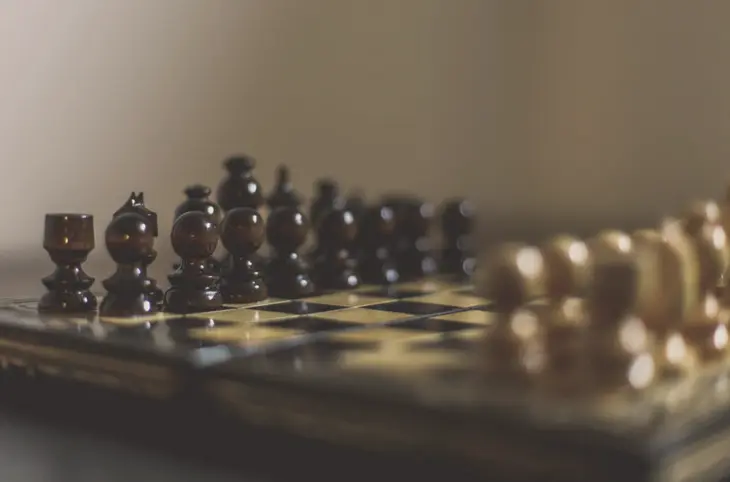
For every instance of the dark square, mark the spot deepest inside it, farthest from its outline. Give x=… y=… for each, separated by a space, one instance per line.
x=412 y=308
x=394 y=292
x=311 y=324
x=433 y=325
x=296 y=307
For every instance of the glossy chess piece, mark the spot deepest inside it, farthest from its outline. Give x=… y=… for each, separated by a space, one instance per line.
x=413 y=249
x=620 y=349
x=375 y=239
x=335 y=267
x=68 y=239
x=287 y=274
x=194 y=286
x=240 y=189
x=135 y=204
x=198 y=199
x=457 y=226
x=242 y=233
x=513 y=276
x=130 y=292
x=284 y=194
x=327 y=197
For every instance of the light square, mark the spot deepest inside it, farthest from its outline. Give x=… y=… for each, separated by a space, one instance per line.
x=347 y=299
x=372 y=335
x=450 y=298
x=477 y=317
x=266 y=302
x=137 y=320
x=427 y=286
x=242 y=315
x=362 y=315
x=394 y=357
x=243 y=334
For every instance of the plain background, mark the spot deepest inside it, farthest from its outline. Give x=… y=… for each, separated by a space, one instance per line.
x=560 y=114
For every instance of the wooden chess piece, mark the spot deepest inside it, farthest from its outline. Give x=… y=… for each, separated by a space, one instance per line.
x=287 y=274
x=457 y=226
x=194 y=287
x=68 y=239
x=198 y=199
x=240 y=189
x=135 y=204
x=334 y=265
x=242 y=234
x=412 y=249
x=513 y=276
x=130 y=292
x=619 y=349
x=375 y=240
x=284 y=193
x=327 y=197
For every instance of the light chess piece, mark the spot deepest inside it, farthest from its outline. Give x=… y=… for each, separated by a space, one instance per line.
x=513 y=276
x=619 y=346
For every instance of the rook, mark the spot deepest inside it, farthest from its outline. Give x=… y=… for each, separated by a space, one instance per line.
x=68 y=239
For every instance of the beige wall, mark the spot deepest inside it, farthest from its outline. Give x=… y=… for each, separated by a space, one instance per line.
x=101 y=98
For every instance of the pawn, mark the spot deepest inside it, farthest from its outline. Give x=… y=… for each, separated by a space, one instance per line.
x=135 y=204
x=198 y=199
x=334 y=266
x=413 y=250
x=193 y=286
x=375 y=240
x=242 y=234
x=130 y=292
x=240 y=189
x=457 y=221
x=327 y=197
x=287 y=274
x=284 y=194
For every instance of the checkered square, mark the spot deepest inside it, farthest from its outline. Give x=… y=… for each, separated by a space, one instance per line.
x=299 y=307
x=433 y=325
x=312 y=324
x=413 y=308
x=365 y=316
x=244 y=334
x=347 y=299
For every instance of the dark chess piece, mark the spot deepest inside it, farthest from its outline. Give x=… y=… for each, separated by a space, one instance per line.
x=240 y=189
x=457 y=224
x=284 y=193
x=327 y=197
x=135 y=204
x=376 y=234
x=242 y=234
x=130 y=242
x=198 y=199
x=287 y=274
x=334 y=265
x=355 y=203
x=412 y=248
x=193 y=286
x=68 y=239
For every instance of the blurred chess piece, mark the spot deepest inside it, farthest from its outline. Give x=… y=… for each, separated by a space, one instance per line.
x=619 y=345
x=512 y=276
x=666 y=267
x=562 y=314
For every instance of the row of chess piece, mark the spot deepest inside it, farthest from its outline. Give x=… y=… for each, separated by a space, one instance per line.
x=375 y=244
x=616 y=311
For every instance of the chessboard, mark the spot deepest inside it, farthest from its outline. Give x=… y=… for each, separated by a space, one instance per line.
x=598 y=358
x=152 y=355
